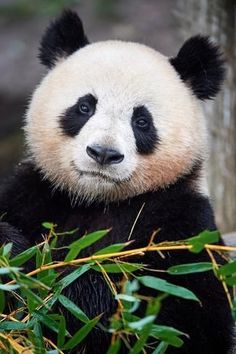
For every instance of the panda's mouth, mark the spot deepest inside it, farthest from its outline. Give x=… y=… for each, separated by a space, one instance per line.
x=97 y=174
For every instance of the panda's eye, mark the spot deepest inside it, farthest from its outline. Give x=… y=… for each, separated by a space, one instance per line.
x=144 y=130
x=86 y=105
x=76 y=116
x=141 y=123
x=84 y=108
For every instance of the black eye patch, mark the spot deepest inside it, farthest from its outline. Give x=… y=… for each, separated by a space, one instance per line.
x=145 y=133
x=75 y=117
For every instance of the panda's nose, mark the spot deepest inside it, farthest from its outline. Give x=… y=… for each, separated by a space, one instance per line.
x=104 y=155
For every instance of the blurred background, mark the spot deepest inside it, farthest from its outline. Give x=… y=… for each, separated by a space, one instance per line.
x=162 y=24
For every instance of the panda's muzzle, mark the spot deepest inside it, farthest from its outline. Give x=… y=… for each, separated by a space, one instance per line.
x=104 y=155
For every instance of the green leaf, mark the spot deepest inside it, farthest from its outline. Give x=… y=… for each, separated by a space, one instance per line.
x=9 y=287
x=74 y=309
x=2 y=301
x=117 y=267
x=140 y=324
x=144 y=334
x=198 y=242
x=130 y=303
x=23 y=257
x=161 y=349
x=160 y=329
x=46 y=320
x=128 y=298
x=115 y=347
x=39 y=258
x=36 y=337
x=7 y=270
x=164 y=286
x=7 y=249
x=131 y=286
x=70 y=278
x=49 y=279
x=48 y=225
x=231 y=281
x=117 y=247
x=33 y=300
x=190 y=268
x=12 y=325
x=61 y=331
x=31 y=282
x=81 y=334
x=227 y=269
x=84 y=242
x=167 y=334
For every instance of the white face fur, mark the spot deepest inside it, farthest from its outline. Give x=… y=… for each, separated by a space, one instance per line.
x=121 y=76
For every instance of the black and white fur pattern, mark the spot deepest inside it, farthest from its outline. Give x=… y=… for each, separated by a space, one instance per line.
x=127 y=98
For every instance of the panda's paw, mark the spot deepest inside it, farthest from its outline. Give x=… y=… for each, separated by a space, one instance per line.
x=9 y=233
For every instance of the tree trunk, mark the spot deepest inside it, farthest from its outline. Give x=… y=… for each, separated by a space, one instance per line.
x=217 y=18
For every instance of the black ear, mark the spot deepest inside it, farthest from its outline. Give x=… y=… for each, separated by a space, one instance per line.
x=63 y=37
x=200 y=64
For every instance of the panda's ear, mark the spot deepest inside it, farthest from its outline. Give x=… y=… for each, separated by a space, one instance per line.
x=200 y=64
x=63 y=37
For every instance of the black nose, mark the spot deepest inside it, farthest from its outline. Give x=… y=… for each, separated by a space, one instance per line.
x=104 y=155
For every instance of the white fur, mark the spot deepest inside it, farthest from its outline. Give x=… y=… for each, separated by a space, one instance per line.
x=121 y=75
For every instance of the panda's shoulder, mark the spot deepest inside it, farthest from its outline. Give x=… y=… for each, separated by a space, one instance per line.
x=26 y=198
x=24 y=180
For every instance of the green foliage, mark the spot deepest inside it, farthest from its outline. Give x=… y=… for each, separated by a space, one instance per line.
x=35 y=294
x=198 y=242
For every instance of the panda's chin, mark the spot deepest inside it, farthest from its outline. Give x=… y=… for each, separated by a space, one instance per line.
x=97 y=177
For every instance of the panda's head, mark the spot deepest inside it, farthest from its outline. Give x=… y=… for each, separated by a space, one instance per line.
x=114 y=119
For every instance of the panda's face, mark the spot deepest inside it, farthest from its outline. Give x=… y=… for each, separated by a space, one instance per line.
x=114 y=120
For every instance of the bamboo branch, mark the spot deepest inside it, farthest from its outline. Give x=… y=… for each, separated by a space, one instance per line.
x=128 y=253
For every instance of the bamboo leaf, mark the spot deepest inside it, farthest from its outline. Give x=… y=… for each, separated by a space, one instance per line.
x=190 y=268
x=37 y=340
x=48 y=225
x=117 y=267
x=9 y=287
x=61 y=331
x=81 y=334
x=227 y=269
x=70 y=278
x=117 y=247
x=164 y=286
x=14 y=325
x=167 y=334
x=84 y=242
x=198 y=242
x=140 y=324
x=46 y=320
x=7 y=249
x=231 y=281
x=2 y=301
x=161 y=349
x=23 y=257
x=7 y=270
x=73 y=308
x=115 y=347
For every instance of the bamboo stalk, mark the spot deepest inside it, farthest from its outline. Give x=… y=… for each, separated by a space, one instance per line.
x=127 y=253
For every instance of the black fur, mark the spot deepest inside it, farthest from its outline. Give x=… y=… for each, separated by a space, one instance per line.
x=74 y=118
x=145 y=135
x=63 y=37
x=178 y=211
x=200 y=64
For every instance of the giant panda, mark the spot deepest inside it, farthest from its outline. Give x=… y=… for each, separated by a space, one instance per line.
x=114 y=127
